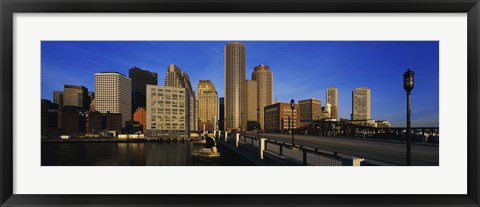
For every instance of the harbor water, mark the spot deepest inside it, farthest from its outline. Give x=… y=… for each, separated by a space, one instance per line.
x=131 y=154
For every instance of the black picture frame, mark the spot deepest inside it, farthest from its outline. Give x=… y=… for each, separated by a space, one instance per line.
x=10 y=7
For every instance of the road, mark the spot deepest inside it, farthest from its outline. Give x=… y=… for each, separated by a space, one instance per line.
x=422 y=155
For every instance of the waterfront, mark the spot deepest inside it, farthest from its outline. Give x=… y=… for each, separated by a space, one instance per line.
x=130 y=154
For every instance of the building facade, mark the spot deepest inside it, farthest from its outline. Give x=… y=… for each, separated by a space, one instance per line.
x=140 y=80
x=94 y=122
x=72 y=96
x=140 y=116
x=70 y=122
x=207 y=105
x=167 y=112
x=327 y=111
x=310 y=109
x=97 y=122
x=264 y=78
x=361 y=104
x=49 y=117
x=334 y=112
x=76 y=96
x=58 y=98
x=175 y=77
x=332 y=99
x=113 y=93
x=278 y=116
x=251 y=105
x=234 y=78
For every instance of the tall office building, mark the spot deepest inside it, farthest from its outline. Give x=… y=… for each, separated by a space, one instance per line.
x=207 y=105
x=221 y=114
x=167 y=111
x=361 y=104
x=234 y=79
x=250 y=103
x=140 y=80
x=264 y=78
x=113 y=93
x=332 y=99
x=175 y=77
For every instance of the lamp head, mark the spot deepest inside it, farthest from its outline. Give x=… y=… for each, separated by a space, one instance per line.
x=408 y=80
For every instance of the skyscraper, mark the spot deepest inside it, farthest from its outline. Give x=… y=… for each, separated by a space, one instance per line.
x=140 y=79
x=175 y=77
x=332 y=99
x=361 y=104
x=234 y=79
x=264 y=78
x=207 y=104
x=250 y=104
x=113 y=93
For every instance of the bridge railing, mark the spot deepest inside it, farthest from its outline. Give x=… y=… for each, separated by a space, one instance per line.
x=302 y=155
x=395 y=134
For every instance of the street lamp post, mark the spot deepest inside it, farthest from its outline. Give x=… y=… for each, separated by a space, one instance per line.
x=258 y=123
x=318 y=125
x=241 y=123
x=292 y=106
x=408 y=80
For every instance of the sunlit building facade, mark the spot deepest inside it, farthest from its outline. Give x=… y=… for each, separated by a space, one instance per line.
x=207 y=105
x=332 y=99
x=250 y=104
x=278 y=116
x=264 y=78
x=175 y=77
x=113 y=93
x=234 y=79
x=167 y=111
x=361 y=104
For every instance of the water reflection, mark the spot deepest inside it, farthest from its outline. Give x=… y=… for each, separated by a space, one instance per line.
x=127 y=154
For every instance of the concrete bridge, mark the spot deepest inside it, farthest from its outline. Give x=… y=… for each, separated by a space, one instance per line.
x=323 y=150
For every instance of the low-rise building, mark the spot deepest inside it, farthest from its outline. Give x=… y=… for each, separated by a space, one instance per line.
x=278 y=116
x=383 y=124
x=49 y=117
x=96 y=122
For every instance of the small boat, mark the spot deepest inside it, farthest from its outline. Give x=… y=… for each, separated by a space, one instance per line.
x=205 y=154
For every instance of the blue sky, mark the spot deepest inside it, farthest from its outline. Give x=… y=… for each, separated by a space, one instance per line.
x=301 y=69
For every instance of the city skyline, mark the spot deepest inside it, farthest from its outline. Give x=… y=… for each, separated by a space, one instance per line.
x=377 y=65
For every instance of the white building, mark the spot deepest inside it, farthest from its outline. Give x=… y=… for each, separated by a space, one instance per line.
x=167 y=109
x=113 y=93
